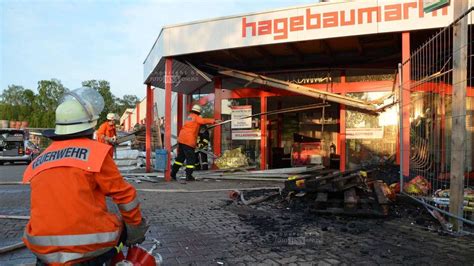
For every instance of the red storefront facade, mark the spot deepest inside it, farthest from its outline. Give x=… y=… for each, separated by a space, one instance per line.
x=347 y=49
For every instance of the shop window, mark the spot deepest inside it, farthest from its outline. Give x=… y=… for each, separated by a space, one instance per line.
x=370 y=139
x=307 y=137
x=246 y=135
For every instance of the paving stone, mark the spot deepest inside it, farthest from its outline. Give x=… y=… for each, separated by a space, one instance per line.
x=305 y=263
x=332 y=261
x=270 y=262
x=323 y=263
x=288 y=260
x=213 y=232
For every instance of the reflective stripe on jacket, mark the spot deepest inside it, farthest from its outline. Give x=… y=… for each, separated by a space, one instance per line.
x=69 y=218
x=189 y=132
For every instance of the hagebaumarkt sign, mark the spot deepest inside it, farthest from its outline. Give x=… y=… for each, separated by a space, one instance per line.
x=296 y=24
x=431 y=5
x=241 y=116
x=246 y=134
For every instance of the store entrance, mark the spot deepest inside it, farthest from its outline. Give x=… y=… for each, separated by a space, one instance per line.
x=302 y=138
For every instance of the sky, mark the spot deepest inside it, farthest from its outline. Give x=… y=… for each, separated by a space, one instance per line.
x=77 y=40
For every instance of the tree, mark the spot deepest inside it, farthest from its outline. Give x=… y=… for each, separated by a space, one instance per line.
x=16 y=103
x=127 y=101
x=50 y=93
x=110 y=101
x=13 y=95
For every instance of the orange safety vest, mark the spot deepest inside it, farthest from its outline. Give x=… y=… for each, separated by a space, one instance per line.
x=189 y=132
x=69 y=220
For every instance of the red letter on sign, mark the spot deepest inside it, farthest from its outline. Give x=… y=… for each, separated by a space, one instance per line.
x=369 y=11
x=296 y=23
x=309 y=19
x=393 y=12
x=283 y=29
x=264 y=27
x=344 y=22
x=330 y=19
x=245 y=25
x=406 y=9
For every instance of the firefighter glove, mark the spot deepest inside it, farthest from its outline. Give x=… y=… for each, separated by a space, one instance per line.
x=136 y=233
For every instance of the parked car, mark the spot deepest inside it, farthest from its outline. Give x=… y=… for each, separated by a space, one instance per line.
x=14 y=147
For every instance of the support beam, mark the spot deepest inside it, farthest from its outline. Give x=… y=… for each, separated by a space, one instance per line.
x=168 y=90
x=304 y=90
x=216 y=145
x=458 y=136
x=149 y=121
x=406 y=103
x=263 y=133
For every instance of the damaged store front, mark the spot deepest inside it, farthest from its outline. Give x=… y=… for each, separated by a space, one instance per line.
x=324 y=94
x=300 y=130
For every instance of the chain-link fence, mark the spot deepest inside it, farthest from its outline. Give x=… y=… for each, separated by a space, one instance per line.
x=434 y=75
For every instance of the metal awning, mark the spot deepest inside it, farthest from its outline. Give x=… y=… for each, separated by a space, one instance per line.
x=304 y=90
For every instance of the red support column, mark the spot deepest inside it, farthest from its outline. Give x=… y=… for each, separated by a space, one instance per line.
x=168 y=88
x=129 y=120
x=406 y=104
x=263 y=132
x=180 y=111
x=149 y=119
x=138 y=113
x=189 y=102
x=217 y=115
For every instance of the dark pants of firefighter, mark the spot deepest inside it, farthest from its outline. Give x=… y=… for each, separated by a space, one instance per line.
x=201 y=161
x=185 y=153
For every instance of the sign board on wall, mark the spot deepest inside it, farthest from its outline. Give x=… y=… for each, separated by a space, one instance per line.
x=296 y=24
x=241 y=116
x=246 y=134
x=364 y=133
x=431 y=5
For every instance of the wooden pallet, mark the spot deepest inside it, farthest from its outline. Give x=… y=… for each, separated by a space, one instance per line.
x=352 y=202
x=345 y=193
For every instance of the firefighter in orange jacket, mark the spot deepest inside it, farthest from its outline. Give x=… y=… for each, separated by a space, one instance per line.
x=187 y=142
x=69 y=182
x=107 y=133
